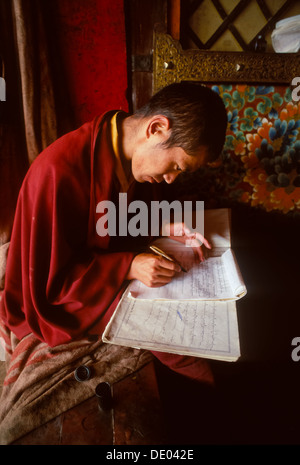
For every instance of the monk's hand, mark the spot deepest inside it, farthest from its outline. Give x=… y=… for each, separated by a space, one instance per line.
x=152 y=270
x=181 y=233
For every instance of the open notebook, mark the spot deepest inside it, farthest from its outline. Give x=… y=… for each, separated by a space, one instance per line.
x=196 y=313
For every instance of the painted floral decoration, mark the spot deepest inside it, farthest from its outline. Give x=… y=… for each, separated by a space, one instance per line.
x=260 y=164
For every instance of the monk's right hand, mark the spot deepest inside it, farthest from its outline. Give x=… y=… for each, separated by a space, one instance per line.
x=152 y=270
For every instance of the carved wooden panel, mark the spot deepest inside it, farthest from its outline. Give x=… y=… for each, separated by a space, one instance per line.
x=173 y=64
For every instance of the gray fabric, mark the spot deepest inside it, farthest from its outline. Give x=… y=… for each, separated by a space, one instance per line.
x=40 y=382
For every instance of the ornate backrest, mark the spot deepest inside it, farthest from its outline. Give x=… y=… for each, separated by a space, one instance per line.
x=260 y=163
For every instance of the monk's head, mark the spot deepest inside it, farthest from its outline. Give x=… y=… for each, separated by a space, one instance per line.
x=180 y=129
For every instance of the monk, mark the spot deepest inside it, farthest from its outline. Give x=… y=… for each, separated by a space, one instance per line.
x=64 y=280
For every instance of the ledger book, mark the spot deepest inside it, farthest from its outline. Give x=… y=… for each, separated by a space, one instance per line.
x=195 y=314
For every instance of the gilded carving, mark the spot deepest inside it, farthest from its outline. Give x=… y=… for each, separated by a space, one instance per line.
x=172 y=64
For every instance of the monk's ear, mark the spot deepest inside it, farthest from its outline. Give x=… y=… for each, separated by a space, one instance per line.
x=159 y=126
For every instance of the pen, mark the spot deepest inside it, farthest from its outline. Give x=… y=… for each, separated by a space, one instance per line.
x=163 y=254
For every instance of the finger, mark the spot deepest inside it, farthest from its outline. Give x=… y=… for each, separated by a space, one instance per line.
x=187 y=230
x=164 y=264
x=167 y=272
x=199 y=253
x=197 y=237
x=158 y=281
x=179 y=238
x=177 y=229
x=158 y=285
x=202 y=239
x=197 y=247
x=162 y=279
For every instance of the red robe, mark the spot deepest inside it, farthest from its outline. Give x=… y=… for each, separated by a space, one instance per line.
x=62 y=278
x=63 y=281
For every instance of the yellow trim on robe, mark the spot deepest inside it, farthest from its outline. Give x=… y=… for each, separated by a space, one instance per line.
x=119 y=167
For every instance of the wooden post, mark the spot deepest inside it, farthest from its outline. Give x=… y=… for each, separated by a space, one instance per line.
x=174 y=18
x=142 y=17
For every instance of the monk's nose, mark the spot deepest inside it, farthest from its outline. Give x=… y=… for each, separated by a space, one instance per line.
x=170 y=177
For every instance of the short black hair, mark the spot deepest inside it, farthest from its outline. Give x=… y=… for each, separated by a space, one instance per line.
x=197 y=116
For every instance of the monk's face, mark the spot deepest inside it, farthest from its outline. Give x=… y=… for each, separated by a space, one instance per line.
x=155 y=163
x=151 y=159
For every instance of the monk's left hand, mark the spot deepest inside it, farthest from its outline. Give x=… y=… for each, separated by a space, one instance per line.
x=181 y=233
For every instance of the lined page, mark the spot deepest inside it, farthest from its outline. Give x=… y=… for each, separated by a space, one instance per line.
x=200 y=328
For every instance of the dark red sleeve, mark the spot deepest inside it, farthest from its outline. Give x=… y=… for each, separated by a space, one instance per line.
x=56 y=285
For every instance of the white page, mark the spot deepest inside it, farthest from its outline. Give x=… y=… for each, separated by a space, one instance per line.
x=217 y=227
x=202 y=328
x=233 y=273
